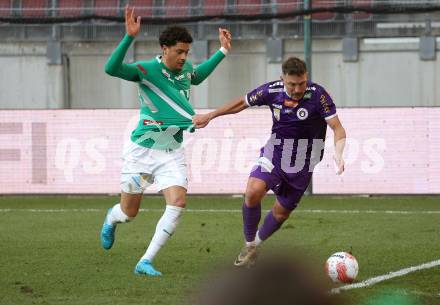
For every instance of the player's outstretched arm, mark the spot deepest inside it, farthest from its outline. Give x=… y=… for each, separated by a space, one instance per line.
x=339 y=137
x=234 y=106
x=115 y=65
x=202 y=71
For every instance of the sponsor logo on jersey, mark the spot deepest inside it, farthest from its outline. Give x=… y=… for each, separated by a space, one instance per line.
x=311 y=88
x=167 y=75
x=324 y=103
x=253 y=99
x=186 y=93
x=180 y=77
x=276 y=113
x=277 y=106
x=290 y=103
x=288 y=111
x=255 y=96
x=276 y=84
x=307 y=96
x=151 y=122
x=302 y=113
x=144 y=72
x=276 y=90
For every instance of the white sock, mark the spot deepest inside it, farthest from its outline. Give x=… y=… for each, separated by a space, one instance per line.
x=255 y=243
x=164 y=229
x=257 y=240
x=250 y=243
x=117 y=215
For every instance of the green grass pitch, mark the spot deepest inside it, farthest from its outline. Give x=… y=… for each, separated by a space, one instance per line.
x=50 y=251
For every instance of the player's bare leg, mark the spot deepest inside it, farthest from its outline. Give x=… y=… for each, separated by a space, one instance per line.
x=122 y=212
x=175 y=205
x=255 y=191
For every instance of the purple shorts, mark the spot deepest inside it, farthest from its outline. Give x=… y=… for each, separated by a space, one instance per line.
x=288 y=188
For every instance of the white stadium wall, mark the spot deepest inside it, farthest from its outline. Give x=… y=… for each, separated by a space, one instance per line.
x=389 y=151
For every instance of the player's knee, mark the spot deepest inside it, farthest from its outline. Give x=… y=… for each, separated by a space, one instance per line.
x=255 y=191
x=280 y=213
x=180 y=203
x=254 y=195
x=280 y=216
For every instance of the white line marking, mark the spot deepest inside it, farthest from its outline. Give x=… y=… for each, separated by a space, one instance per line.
x=228 y=211
x=377 y=279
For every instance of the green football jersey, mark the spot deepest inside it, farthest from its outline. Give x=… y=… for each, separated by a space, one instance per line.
x=163 y=95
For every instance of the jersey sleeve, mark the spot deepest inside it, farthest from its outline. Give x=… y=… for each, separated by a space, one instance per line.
x=202 y=71
x=257 y=97
x=115 y=65
x=327 y=109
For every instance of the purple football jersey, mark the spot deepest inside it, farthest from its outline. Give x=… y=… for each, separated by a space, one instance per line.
x=298 y=130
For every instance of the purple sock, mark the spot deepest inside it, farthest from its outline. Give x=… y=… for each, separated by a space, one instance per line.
x=251 y=218
x=270 y=226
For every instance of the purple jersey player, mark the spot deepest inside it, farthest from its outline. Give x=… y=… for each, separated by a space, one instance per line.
x=301 y=111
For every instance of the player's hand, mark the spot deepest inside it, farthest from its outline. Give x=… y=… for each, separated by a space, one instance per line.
x=201 y=120
x=132 y=24
x=225 y=38
x=340 y=165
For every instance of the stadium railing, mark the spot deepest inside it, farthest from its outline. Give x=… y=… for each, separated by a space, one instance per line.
x=103 y=19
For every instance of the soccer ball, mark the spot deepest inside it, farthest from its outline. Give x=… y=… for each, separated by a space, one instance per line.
x=342 y=267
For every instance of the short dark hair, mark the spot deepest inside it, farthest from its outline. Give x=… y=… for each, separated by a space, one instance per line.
x=174 y=34
x=294 y=66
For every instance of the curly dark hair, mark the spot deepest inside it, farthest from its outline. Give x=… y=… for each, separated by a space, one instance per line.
x=174 y=34
x=294 y=66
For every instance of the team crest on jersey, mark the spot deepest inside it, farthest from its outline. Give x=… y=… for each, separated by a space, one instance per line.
x=277 y=113
x=302 y=113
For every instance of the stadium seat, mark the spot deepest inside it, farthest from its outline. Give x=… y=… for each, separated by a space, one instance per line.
x=5 y=8
x=34 y=8
x=248 y=7
x=284 y=6
x=326 y=16
x=143 y=8
x=106 y=7
x=70 y=8
x=177 y=8
x=361 y=16
x=214 y=7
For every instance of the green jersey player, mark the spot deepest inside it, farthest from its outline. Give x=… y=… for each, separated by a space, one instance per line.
x=154 y=153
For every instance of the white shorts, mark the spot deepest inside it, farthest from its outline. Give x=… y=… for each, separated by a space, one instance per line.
x=144 y=166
